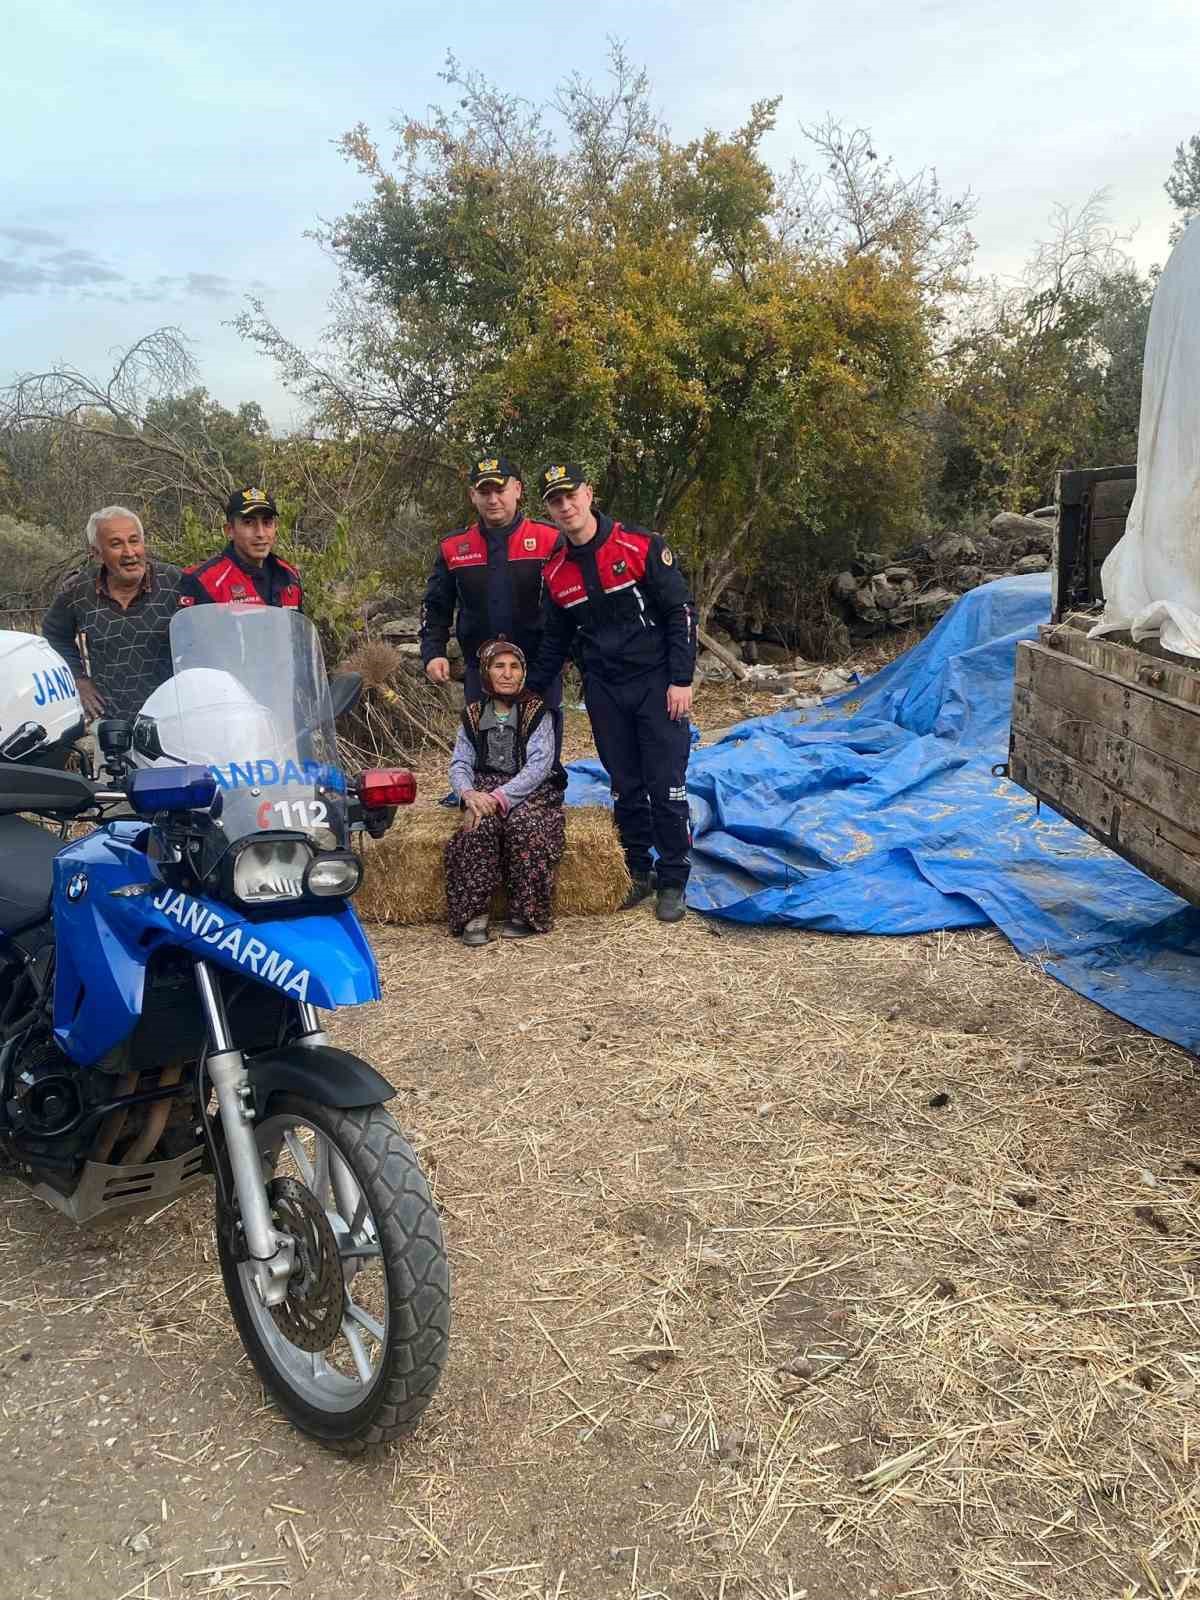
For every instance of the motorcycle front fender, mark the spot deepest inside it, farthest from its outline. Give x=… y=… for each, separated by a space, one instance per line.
x=322 y=1073
x=323 y=958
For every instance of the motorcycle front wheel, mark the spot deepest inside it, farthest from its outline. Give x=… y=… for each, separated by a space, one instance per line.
x=354 y=1353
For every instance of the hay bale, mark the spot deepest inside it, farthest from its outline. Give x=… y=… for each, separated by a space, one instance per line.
x=404 y=878
x=592 y=875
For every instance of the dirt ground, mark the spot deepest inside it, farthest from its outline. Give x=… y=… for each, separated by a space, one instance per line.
x=784 y=1265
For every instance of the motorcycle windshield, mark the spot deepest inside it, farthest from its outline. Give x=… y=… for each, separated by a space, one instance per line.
x=250 y=701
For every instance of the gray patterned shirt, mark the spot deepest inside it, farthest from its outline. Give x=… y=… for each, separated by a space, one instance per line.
x=127 y=651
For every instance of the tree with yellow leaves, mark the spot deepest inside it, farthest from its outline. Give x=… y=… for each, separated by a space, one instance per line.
x=737 y=355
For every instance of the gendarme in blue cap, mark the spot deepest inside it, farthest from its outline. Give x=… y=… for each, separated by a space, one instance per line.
x=560 y=478
x=492 y=469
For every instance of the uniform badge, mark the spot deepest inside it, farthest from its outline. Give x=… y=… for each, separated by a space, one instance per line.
x=667 y=558
x=238 y=591
x=463 y=548
x=186 y=600
x=618 y=568
x=529 y=544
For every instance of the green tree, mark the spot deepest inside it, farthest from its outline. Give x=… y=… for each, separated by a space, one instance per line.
x=1047 y=373
x=729 y=350
x=1183 y=183
x=231 y=440
x=1123 y=300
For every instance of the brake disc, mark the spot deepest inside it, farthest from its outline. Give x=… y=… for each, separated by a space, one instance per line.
x=311 y=1315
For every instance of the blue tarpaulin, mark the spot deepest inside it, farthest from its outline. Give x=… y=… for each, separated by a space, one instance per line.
x=877 y=812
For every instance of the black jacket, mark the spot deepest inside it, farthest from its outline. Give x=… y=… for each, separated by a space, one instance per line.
x=492 y=578
x=621 y=599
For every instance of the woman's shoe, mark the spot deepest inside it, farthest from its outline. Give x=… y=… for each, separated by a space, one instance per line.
x=515 y=928
x=476 y=931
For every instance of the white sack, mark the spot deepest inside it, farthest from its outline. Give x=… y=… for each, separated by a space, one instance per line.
x=1151 y=578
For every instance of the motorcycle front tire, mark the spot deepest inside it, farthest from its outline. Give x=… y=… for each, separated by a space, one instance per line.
x=375 y=1372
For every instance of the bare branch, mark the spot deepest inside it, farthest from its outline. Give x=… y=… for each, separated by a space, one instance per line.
x=863 y=205
x=113 y=410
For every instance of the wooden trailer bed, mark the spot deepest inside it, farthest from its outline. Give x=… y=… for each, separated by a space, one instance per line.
x=1104 y=731
x=1107 y=733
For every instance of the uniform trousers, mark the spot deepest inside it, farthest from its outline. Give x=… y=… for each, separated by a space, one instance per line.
x=645 y=754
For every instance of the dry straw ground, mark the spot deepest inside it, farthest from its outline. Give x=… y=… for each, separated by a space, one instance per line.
x=785 y=1265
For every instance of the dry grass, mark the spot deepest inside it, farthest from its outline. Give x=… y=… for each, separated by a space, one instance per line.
x=783 y=1263
x=881 y=1250
x=404 y=877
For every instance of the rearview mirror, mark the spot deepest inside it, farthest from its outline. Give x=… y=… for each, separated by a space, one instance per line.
x=114 y=736
x=345 y=690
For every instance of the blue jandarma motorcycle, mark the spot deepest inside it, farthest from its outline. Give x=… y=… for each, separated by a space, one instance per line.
x=161 y=982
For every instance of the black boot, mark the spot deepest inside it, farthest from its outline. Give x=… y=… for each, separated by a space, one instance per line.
x=671 y=906
x=640 y=889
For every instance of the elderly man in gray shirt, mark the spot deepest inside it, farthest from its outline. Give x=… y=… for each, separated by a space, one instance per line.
x=109 y=622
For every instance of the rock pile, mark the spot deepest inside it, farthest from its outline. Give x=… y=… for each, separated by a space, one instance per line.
x=403 y=633
x=916 y=586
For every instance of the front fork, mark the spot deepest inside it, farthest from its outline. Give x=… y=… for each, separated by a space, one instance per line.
x=272 y=1254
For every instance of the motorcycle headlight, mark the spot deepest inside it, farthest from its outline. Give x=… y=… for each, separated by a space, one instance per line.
x=333 y=875
x=270 y=869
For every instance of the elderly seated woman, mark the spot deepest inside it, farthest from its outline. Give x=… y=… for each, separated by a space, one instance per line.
x=510 y=785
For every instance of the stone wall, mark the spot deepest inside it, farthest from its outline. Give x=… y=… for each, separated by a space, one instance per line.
x=916 y=586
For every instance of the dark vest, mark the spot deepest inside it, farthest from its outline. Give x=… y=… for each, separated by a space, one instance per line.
x=502 y=752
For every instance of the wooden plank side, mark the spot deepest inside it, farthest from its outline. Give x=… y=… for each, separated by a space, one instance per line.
x=1072 y=483
x=1106 y=654
x=1135 y=772
x=1106 y=755
x=1130 y=662
x=1145 y=715
x=1091 y=506
x=1147 y=841
x=1106 y=531
x=1113 y=496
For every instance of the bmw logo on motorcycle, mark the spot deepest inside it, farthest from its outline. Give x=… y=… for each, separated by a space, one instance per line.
x=77 y=887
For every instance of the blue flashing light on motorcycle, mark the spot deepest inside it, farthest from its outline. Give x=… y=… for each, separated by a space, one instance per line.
x=161 y=981
x=189 y=788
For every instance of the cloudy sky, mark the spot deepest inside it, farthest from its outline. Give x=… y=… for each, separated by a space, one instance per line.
x=162 y=161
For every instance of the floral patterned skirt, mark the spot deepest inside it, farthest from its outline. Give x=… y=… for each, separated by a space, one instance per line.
x=520 y=851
